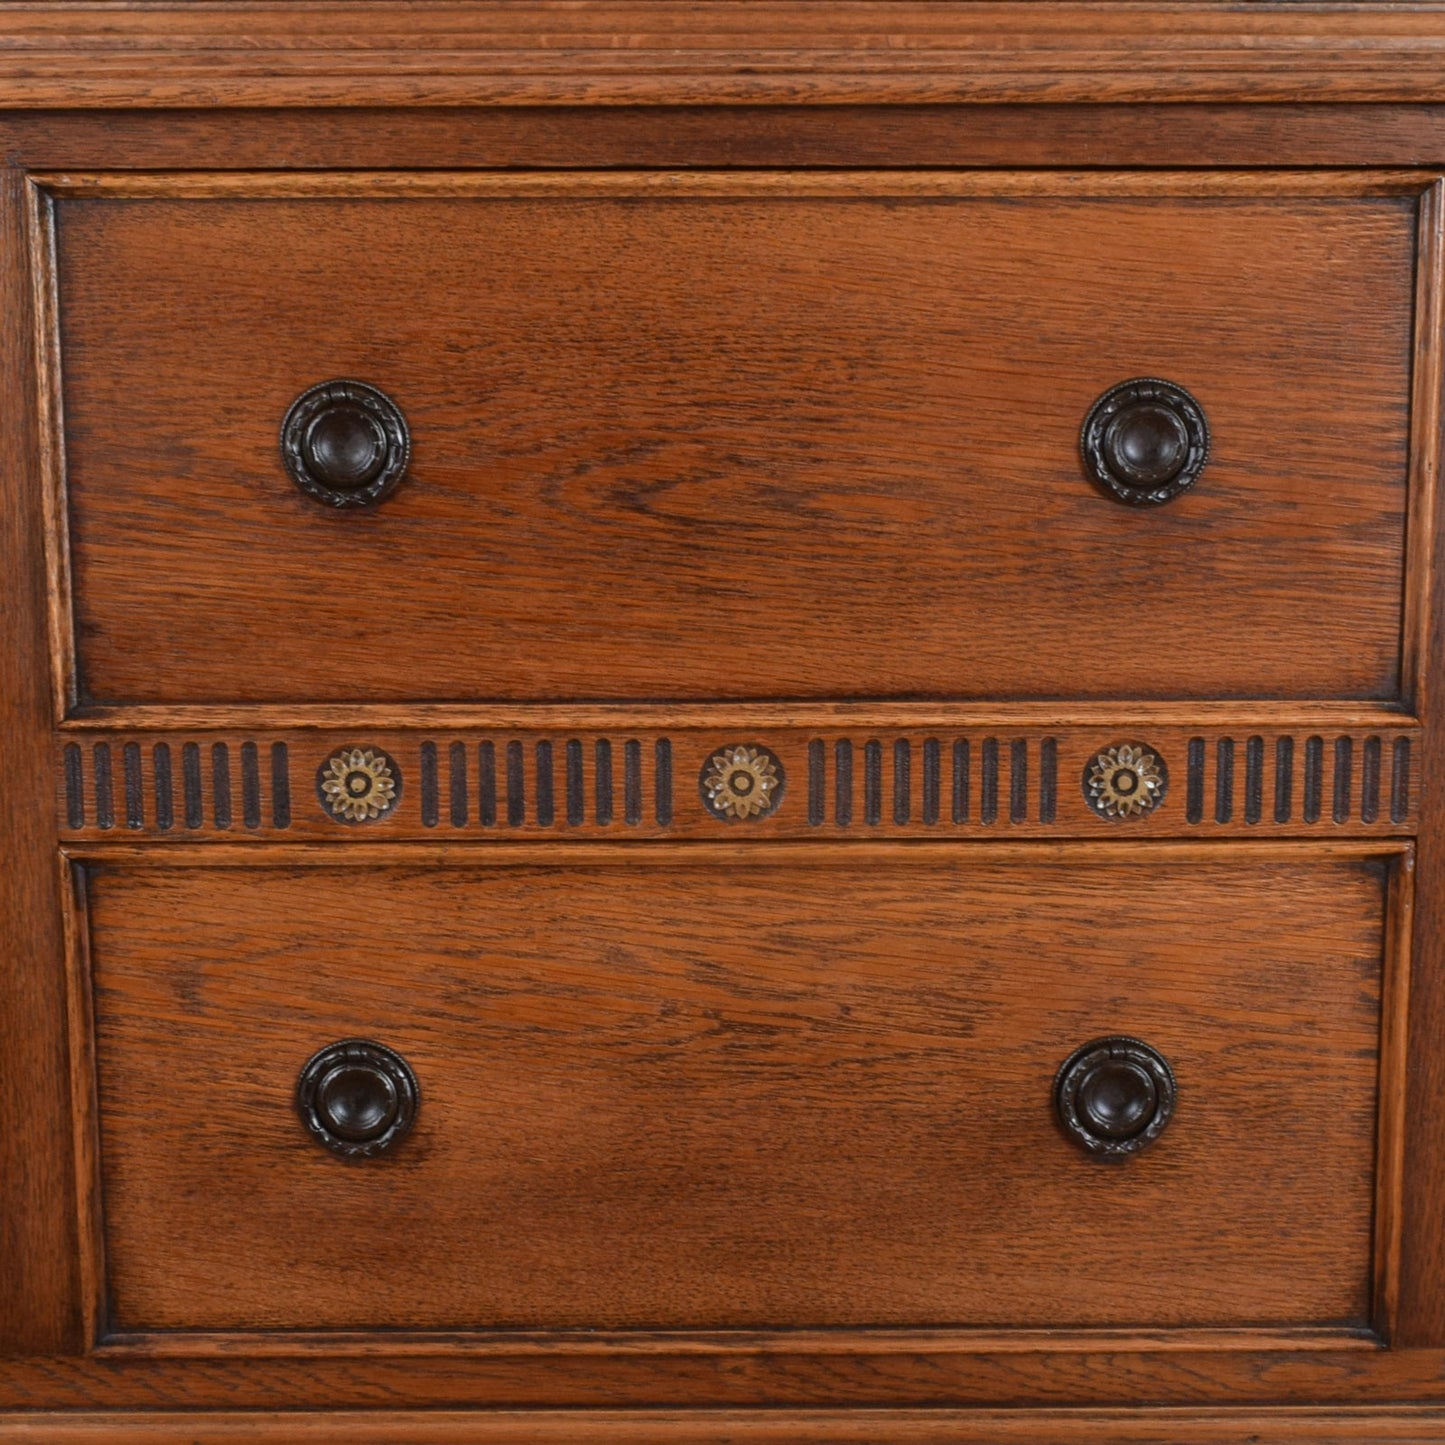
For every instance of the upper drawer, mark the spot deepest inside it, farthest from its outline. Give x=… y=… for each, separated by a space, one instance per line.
x=740 y=436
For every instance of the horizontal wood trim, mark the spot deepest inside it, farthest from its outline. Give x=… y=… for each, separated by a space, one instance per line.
x=602 y=716
x=792 y=853
x=812 y=1343
x=830 y=782
x=590 y=137
x=1217 y=1383
x=1342 y=1426
x=660 y=51
x=784 y=185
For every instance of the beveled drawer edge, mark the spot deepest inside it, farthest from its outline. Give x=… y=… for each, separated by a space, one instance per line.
x=903 y=714
x=1427 y=379
x=788 y=184
x=851 y=1341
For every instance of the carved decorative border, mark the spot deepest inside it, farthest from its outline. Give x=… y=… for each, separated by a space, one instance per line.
x=838 y=782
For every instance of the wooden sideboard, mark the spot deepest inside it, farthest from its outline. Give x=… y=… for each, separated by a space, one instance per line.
x=722 y=724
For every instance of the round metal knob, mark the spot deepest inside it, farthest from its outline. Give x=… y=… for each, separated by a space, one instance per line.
x=345 y=443
x=1145 y=441
x=1114 y=1096
x=356 y=1097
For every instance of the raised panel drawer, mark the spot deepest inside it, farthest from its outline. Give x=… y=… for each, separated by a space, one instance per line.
x=732 y=437
x=795 y=1089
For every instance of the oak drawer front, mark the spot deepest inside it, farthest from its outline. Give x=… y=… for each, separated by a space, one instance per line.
x=786 y=1092
x=734 y=436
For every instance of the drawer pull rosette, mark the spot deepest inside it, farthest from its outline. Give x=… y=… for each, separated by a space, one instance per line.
x=357 y=1098
x=1128 y=780
x=1114 y=1096
x=345 y=444
x=1145 y=441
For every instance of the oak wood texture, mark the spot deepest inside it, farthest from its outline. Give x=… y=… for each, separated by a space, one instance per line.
x=1421 y=1311
x=719 y=1427
x=780 y=1094
x=1061 y=713
x=1428 y=379
x=39 y=1311
x=969 y=1372
x=568 y=137
x=777 y=401
x=1424 y=1249
x=619 y=51
x=445 y=90
x=1392 y=1145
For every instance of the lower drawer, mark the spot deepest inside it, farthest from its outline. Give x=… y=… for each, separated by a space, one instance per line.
x=714 y=1090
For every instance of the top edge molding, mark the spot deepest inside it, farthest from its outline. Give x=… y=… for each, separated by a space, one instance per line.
x=709 y=716
x=147 y=54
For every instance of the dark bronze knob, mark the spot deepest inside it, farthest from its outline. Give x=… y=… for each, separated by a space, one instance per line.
x=1114 y=1096
x=357 y=1097
x=345 y=443
x=1145 y=441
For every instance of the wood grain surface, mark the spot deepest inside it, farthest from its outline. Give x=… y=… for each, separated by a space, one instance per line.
x=757 y=1427
x=206 y=306
x=767 y=1096
x=568 y=137
x=39 y=1298
x=659 y=51
x=677 y=439
x=244 y=1376
x=1422 y=1275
